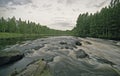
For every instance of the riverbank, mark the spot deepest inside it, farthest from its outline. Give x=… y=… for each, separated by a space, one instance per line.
x=13 y=38
x=18 y=35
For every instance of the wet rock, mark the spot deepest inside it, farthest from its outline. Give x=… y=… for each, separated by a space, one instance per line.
x=42 y=40
x=73 y=46
x=10 y=57
x=118 y=43
x=63 y=43
x=38 y=68
x=62 y=59
x=87 y=42
x=81 y=54
x=78 y=43
x=63 y=66
x=70 y=46
x=52 y=48
x=62 y=52
x=37 y=47
x=67 y=47
x=48 y=58
x=101 y=60
x=57 y=59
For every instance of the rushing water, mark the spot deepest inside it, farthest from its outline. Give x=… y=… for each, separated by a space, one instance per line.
x=60 y=53
x=6 y=70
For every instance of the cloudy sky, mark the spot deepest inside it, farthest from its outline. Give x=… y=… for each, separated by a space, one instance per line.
x=57 y=14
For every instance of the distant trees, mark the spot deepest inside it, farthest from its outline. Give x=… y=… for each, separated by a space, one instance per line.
x=3 y=25
x=12 y=25
x=103 y=24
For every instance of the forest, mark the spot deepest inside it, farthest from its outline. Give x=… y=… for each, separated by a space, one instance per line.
x=11 y=25
x=103 y=24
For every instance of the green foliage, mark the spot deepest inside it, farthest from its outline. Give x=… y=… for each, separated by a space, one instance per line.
x=11 y=25
x=10 y=35
x=103 y=24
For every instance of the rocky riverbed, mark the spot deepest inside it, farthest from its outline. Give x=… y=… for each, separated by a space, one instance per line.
x=65 y=56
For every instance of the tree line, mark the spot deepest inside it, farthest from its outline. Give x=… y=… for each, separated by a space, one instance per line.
x=11 y=25
x=103 y=24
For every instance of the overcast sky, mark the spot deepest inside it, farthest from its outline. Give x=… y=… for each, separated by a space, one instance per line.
x=57 y=14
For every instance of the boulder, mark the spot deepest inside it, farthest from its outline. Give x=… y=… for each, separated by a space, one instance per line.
x=7 y=57
x=63 y=43
x=78 y=43
x=118 y=43
x=48 y=58
x=102 y=60
x=81 y=54
x=38 y=68
x=87 y=42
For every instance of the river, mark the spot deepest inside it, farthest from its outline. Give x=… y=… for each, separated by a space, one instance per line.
x=68 y=56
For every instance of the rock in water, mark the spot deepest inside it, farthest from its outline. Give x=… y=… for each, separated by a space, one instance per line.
x=7 y=57
x=78 y=43
x=38 y=68
x=101 y=60
x=81 y=54
x=47 y=58
x=63 y=43
x=87 y=42
x=118 y=43
x=64 y=56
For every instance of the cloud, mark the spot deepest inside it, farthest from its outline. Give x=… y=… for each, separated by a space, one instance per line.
x=5 y=9
x=75 y=10
x=10 y=8
x=58 y=9
x=29 y=12
x=63 y=23
x=100 y=4
x=5 y=3
x=47 y=5
x=59 y=19
x=97 y=3
x=69 y=2
x=60 y=1
x=58 y=14
x=34 y=6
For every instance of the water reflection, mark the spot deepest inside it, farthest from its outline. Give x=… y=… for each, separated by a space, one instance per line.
x=11 y=41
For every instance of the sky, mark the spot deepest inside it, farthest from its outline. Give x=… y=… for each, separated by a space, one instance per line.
x=56 y=14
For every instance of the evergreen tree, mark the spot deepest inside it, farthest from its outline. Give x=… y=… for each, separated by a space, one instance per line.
x=103 y=24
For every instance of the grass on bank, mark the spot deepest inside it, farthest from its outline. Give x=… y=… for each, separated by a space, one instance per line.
x=18 y=35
